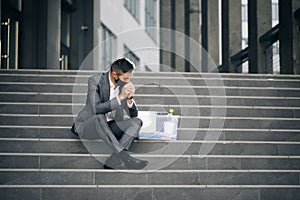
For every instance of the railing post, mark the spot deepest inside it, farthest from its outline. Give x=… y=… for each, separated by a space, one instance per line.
x=286 y=37
x=260 y=20
x=296 y=42
x=231 y=32
x=268 y=59
x=210 y=28
x=53 y=33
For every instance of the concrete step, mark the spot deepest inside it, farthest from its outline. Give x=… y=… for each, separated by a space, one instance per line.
x=162 y=80
x=184 y=162
x=172 y=177
x=71 y=89
x=184 y=121
x=43 y=72
x=256 y=154
x=168 y=148
x=241 y=111
x=149 y=192
x=160 y=99
x=104 y=177
x=183 y=134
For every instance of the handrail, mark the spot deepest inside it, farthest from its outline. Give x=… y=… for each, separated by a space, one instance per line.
x=266 y=40
x=241 y=56
x=270 y=37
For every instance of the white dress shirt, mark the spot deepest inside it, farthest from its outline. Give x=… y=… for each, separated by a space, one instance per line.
x=114 y=93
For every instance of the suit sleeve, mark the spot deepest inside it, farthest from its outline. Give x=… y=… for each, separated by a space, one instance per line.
x=94 y=99
x=133 y=111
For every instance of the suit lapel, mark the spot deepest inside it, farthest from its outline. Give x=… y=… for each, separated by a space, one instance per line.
x=104 y=87
x=105 y=93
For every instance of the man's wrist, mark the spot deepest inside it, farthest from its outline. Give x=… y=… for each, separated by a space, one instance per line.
x=121 y=97
x=130 y=103
x=119 y=100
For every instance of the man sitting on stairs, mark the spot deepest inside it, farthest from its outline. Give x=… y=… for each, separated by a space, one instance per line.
x=108 y=95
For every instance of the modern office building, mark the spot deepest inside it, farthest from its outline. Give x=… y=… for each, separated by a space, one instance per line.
x=60 y=34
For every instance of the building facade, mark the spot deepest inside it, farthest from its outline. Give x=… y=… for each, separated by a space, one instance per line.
x=60 y=34
x=130 y=28
x=264 y=34
x=46 y=34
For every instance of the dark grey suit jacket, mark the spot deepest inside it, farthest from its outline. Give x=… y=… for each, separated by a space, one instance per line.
x=98 y=103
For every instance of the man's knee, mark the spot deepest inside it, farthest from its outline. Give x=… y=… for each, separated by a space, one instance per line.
x=137 y=121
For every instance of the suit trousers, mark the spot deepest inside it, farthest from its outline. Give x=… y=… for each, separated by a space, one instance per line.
x=126 y=131
x=117 y=135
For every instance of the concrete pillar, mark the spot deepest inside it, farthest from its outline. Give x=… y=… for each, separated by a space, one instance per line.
x=210 y=28
x=296 y=31
x=96 y=23
x=28 y=30
x=286 y=36
x=225 y=36
x=213 y=30
x=41 y=32
x=165 y=36
x=194 y=13
x=53 y=33
x=181 y=19
x=187 y=36
x=235 y=19
x=231 y=32
x=172 y=36
x=96 y=35
x=179 y=39
x=259 y=22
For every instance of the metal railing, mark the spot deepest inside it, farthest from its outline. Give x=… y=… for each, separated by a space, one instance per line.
x=270 y=43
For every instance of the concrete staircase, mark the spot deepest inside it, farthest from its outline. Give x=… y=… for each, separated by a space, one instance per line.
x=255 y=143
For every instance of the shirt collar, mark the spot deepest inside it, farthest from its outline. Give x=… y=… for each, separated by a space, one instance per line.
x=111 y=84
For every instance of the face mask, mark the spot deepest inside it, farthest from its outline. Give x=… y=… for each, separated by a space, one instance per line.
x=120 y=83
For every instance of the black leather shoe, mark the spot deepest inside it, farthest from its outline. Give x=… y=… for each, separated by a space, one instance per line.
x=74 y=130
x=134 y=163
x=114 y=162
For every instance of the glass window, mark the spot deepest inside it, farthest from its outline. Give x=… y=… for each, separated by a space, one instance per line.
x=108 y=47
x=276 y=58
x=244 y=12
x=151 y=21
x=244 y=42
x=65 y=28
x=275 y=11
x=131 y=56
x=133 y=7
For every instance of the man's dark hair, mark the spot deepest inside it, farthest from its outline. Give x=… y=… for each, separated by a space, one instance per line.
x=122 y=65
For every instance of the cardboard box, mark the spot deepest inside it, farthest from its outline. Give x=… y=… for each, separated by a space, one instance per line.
x=157 y=126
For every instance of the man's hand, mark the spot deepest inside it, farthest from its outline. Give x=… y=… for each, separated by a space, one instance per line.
x=124 y=93
x=128 y=91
